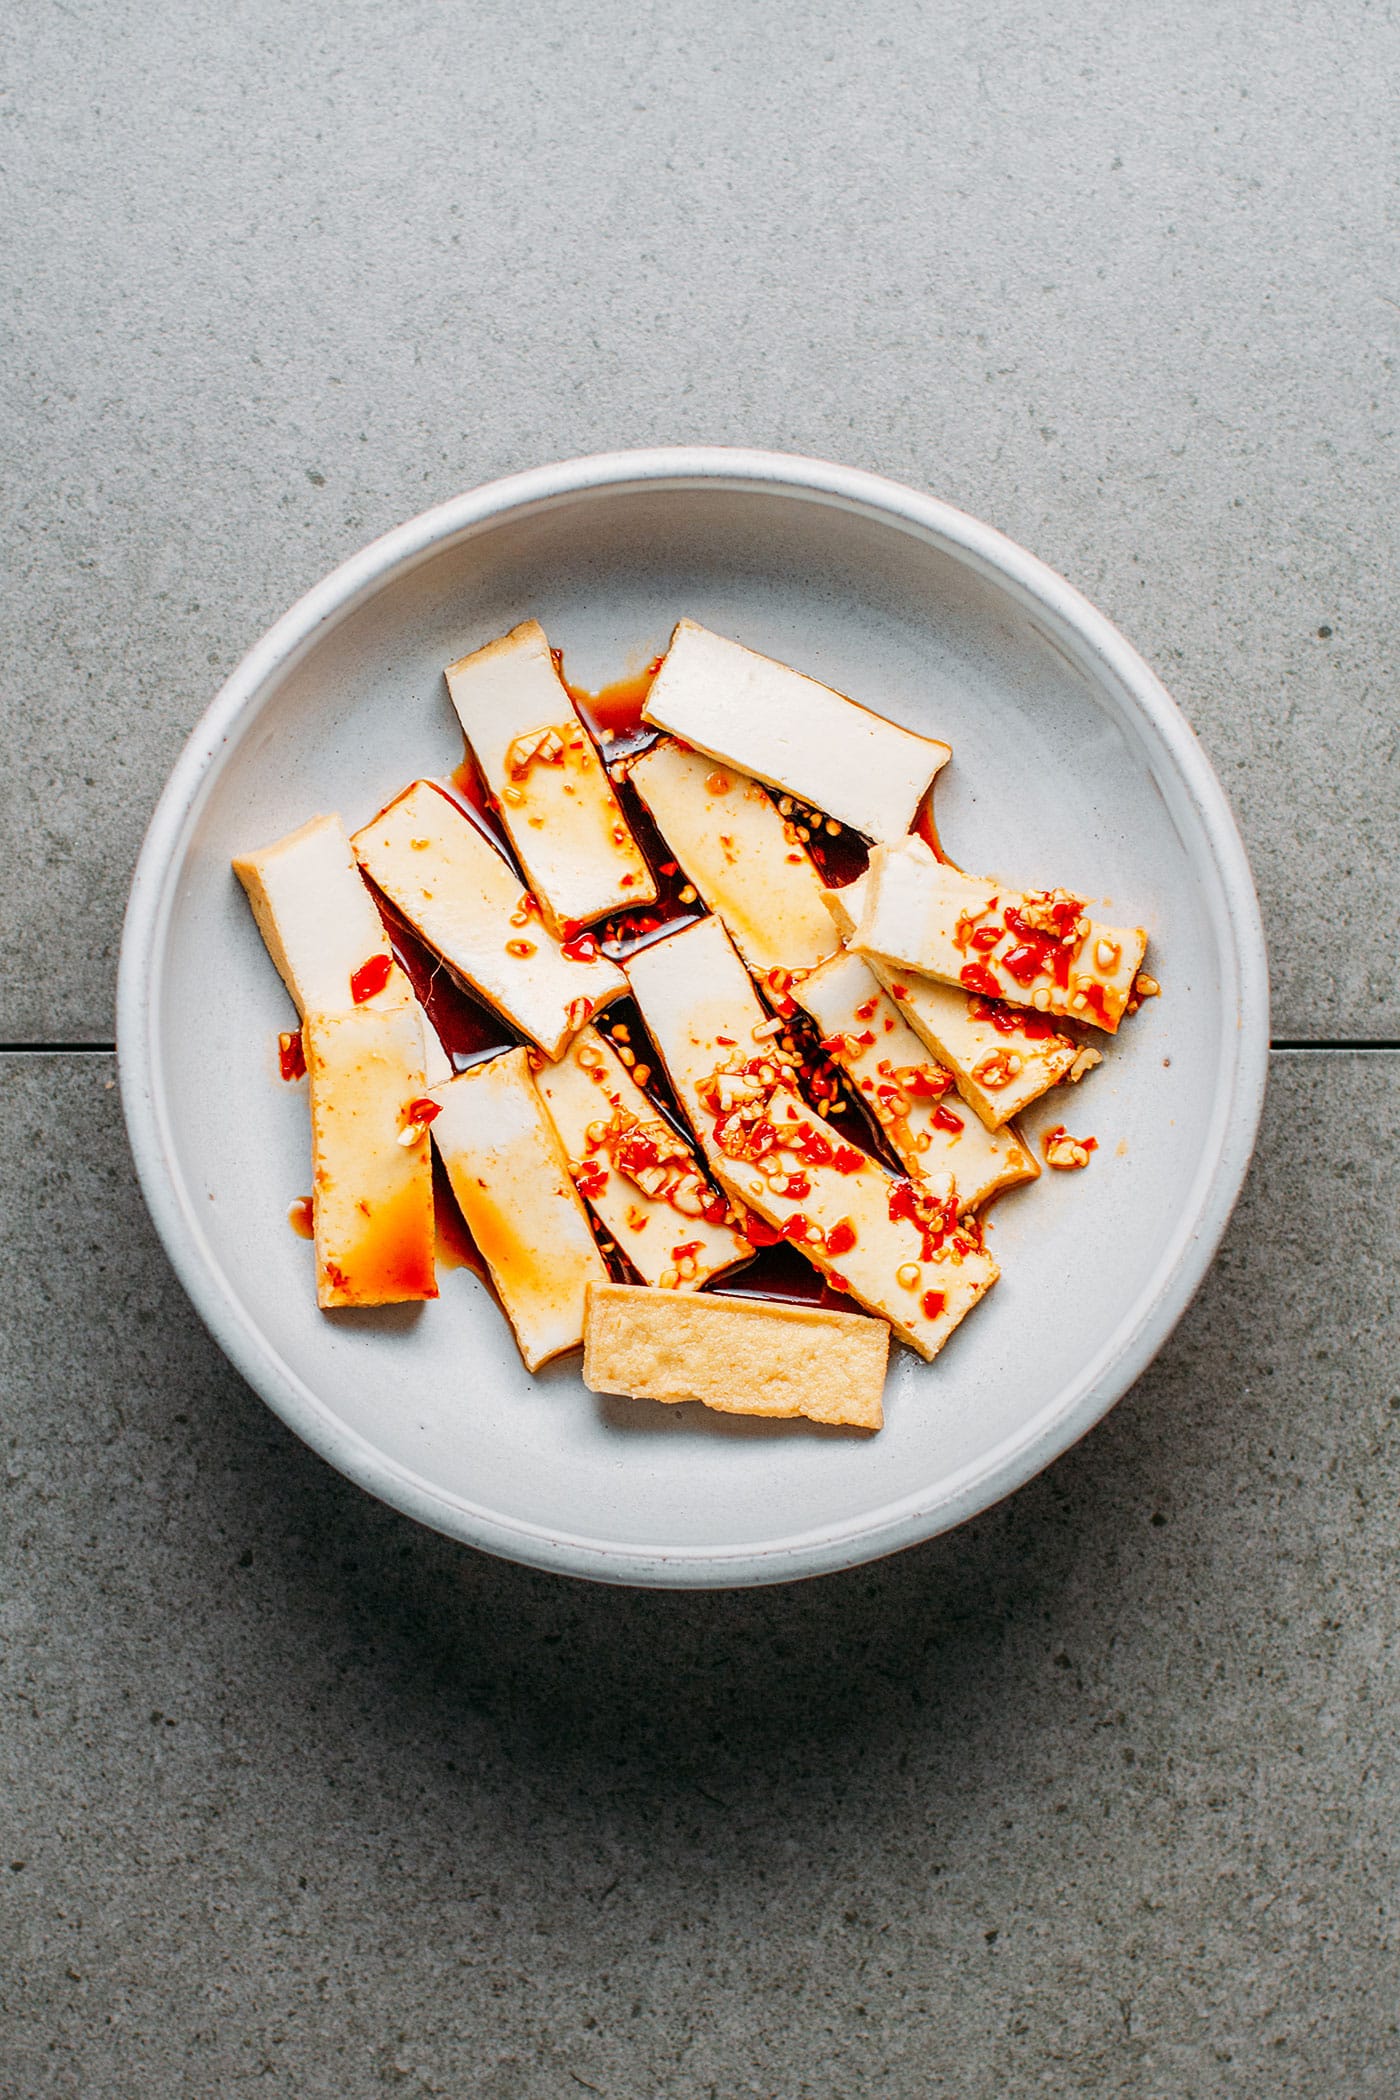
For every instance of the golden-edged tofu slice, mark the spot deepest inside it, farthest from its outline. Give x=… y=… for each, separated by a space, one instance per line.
x=1036 y=948
x=736 y=1355
x=895 y=1245
x=556 y=800
x=372 y=1182
x=792 y=732
x=912 y=1096
x=511 y=1180
x=462 y=898
x=1002 y=1057
x=637 y=1174
x=745 y=859
x=322 y=928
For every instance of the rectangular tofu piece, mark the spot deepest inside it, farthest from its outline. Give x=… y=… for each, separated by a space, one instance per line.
x=736 y=1355
x=895 y=1245
x=745 y=859
x=556 y=800
x=510 y=1177
x=1001 y=1057
x=1035 y=948
x=372 y=1195
x=462 y=897
x=792 y=732
x=320 y=924
x=907 y=1092
x=636 y=1173
x=322 y=928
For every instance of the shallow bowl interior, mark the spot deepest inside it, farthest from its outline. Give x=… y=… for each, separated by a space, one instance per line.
x=1070 y=766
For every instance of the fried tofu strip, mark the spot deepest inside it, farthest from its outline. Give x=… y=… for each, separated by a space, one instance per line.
x=372 y=1200
x=638 y=1176
x=792 y=732
x=894 y=1245
x=1035 y=948
x=323 y=930
x=509 y=1175
x=466 y=902
x=556 y=800
x=736 y=1355
x=1001 y=1057
x=907 y=1093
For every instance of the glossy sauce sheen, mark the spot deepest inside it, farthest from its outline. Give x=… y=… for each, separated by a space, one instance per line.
x=470 y=1032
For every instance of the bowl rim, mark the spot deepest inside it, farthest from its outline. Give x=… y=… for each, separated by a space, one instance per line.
x=1158 y=1306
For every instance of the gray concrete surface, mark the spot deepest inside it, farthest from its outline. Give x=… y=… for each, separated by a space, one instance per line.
x=1097 y=1796
x=1119 y=278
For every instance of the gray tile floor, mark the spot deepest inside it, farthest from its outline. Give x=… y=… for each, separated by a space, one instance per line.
x=1097 y=1796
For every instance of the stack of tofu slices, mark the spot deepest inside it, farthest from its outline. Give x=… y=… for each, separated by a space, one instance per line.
x=934 y=993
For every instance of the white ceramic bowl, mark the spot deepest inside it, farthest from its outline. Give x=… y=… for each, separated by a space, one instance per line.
x=1071 y=765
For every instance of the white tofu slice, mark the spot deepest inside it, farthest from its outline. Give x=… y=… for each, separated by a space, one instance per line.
x=372 y=1195
x=856 y=1223
x=736 y=1355
x=864 y=1032
x=792 y=732
x=1002 y=1058
x=637 y=1175
x=321 y=926
x=746 y=860
x=319 y=922
x=1035 y=948
x=510 y=1177
x=556 y=800
x=461 y=897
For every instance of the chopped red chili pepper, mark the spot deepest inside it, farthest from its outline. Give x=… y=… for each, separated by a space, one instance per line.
x=716 y=1210
x=1026 y=960
x=985 y=939
x=810 y=1145
x=798 y=1186
x=838 y=1281
x=291 y=1058
x=1013 y=1020
x=841 y=1238
x=978 y=978
x=934 y=1303
x=423 y=1110
x=944 y=1119
x=686 y=1247
x=371 y=977
x=757 y=1231
x=591 y=1180
x=847 y=1160
x=796 y=1227
x=927 y=1083
x=582 y=947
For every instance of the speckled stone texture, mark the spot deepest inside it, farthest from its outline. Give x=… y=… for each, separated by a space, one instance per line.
x=1097 y=1796
x=1118 y=278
